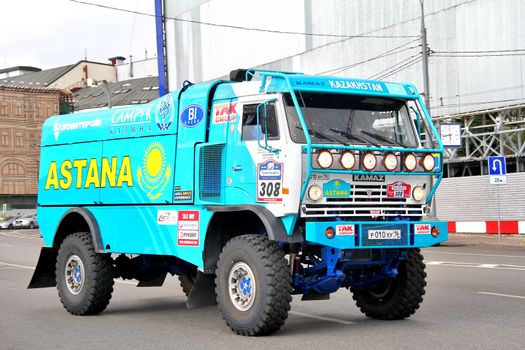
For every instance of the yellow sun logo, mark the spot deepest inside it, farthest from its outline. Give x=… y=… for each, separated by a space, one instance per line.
x=154 y=174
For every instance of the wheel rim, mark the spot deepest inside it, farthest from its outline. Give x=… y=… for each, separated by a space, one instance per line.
x=242 y=286
x=74 y=273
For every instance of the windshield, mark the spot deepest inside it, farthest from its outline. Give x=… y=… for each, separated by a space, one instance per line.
x=350 y=120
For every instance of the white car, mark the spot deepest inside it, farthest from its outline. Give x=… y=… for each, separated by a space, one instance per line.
x=7 y=224
x=26 y=221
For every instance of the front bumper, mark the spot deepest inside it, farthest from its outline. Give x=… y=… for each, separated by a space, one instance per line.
x=371 y=234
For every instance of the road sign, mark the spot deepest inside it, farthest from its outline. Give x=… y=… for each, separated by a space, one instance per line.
x=498 y=179
x=497 y=166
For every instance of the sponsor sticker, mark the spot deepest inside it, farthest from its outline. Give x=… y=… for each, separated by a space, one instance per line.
x=192 y=116
x=167 y=217
x=422 y=229
x=188 y=234
x=165 y=112
x=224 y=112
x=62 y=127
x=336 y=189
x=182 y=195
x=320 y=177
x=269 y=181
x=398 y=189
x=131 y=121
x=368 y=178
x=345 y=230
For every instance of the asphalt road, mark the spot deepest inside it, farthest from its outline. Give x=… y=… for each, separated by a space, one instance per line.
x=475 y=300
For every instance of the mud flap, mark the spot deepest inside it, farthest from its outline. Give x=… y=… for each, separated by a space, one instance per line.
x=44 y=275
x=203 y=292
x=157 y=281
x=315 y=296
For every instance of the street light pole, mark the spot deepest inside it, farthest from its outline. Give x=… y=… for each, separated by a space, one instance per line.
x=424 y=56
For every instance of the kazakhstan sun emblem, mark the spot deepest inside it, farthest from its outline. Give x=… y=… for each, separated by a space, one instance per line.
x=154 y=174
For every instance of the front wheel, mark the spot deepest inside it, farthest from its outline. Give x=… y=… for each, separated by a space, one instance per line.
x=253 y=285
x=84 y=278
x=395 y=298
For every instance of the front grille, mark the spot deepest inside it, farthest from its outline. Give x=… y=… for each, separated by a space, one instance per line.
x=364 y=201
x=210 y=172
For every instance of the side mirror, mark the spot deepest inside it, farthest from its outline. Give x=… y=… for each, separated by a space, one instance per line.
x=265 y=122
x=418 y=120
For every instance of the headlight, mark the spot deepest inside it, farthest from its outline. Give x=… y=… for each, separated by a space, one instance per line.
x=390 y=161
x=347 y=160
x=369 y=161
x=428 y=162
x=410 y=162
x=315 y=193
x=325 y=159
x=418 y=193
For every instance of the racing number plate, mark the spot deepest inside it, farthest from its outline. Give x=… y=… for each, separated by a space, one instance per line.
x=384 y=234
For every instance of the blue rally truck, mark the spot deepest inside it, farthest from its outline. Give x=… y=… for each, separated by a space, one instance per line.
x=250 y=190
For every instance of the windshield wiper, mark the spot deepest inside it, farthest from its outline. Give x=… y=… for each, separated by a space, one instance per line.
x=354 y=137
x=321 y=135
x=382 y=138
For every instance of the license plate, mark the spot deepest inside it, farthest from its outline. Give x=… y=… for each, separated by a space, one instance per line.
x=384 y=234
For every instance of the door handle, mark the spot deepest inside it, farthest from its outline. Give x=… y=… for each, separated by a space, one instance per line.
x=237 y=168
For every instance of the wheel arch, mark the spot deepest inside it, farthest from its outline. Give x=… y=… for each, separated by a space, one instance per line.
x=79 y=220
x=232 y=221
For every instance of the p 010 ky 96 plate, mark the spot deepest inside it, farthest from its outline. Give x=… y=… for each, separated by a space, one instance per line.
x=384 y=234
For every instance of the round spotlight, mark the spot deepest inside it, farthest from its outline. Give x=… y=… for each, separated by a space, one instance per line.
x=410 y=162
x=315 y=193
x=325 y=159
x=428 y=162
x=347 y=160
x=369 y=161
x=390 y=161
x=418 y=193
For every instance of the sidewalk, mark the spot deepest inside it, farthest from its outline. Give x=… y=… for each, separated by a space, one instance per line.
x=455 y=239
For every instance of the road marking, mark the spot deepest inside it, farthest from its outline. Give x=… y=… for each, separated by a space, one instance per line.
x=502 y=295
x=321 y=318
x=476 y=254
x=476 y=265
x=22 y=235
x=16 y=265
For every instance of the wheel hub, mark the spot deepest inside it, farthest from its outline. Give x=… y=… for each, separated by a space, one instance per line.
x=241 y=285
x=74 y=273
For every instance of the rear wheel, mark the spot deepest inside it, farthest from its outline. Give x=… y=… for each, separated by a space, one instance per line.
x=395 y=298
x=84 y=278
x=31 y=225
x=253 y=285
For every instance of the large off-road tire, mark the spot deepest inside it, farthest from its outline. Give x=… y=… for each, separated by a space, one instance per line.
x=84 y=278
x=253 y=285
x=395 y=298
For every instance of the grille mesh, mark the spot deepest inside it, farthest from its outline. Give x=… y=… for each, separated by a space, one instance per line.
x=364 y=201
x=210 y=172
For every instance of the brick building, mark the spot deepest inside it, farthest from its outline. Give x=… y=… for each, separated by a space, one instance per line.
x=22 y=112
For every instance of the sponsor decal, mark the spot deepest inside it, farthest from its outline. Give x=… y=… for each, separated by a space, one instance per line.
x=130 y=121
x=224 y=112
x=336 y=189
x=188 y=233
x=192 y=116
x=165 y=112
x=269 y=181
x=398 y=189
x=309 y=83
x=61 y=127
x=320 y=177
x=154 y=173
x=182 y=195
x=355 y=85
x=422 y=229
x=345 y=230
x=167 y=217
x=368 y=178
x=113 y=172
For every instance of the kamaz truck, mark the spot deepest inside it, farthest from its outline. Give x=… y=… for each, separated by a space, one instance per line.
x=251 y=190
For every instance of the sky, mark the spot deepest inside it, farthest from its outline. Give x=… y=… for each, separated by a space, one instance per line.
x=54 y=33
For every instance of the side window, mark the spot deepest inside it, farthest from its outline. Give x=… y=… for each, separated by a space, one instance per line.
x=249 y=122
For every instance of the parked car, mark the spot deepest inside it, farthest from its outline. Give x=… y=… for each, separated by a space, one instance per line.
x=7 y=223
x=26 y=221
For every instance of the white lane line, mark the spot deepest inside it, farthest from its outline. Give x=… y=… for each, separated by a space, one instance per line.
x=16 y=234
x=502 y=295
x=474 y=254
x=6 y=264
x=476 y=265
x=321 y=318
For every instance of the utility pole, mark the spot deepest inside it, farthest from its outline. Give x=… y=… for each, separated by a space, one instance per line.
x=424 y=53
